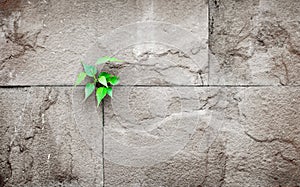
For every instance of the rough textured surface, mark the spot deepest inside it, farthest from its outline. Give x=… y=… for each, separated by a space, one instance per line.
x=255 y=42
x=202 y=137
x=40 y=141
x=51 y=37
x=265 y=150
x=209 y=95
x=192 y=137
x=162 y=142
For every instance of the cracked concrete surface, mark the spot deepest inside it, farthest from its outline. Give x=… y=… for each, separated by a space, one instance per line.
x=209 y=93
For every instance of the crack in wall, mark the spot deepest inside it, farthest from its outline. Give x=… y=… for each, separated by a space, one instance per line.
x=281 y=140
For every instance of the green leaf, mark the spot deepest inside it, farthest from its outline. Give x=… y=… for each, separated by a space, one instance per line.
x=113 y=80
x=80 y=78
x=103 y=60
x=113 y=59
x=100 y=94
x=109 y=91
x=89 y=88
x=106 y=75
x=89 y=70
x=103 y=81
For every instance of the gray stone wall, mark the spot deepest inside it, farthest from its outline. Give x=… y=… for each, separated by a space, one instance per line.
x=209 y=93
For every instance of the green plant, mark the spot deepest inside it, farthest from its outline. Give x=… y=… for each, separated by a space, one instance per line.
x=102 y=82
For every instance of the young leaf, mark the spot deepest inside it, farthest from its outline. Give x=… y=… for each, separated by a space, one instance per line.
x=109 y=91
x=113 y=59
x=89 y=70
x=113 y=80
x=103 y=81
x=89 y=88
x=80 y=78
x=106 y=75
x=100 y=94
x=102 y=60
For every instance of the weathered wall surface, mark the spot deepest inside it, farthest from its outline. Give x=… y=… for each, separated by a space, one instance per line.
x=255 y=42
x=209 y=94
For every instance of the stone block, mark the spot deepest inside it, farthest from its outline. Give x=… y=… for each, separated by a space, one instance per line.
x=265 y=151
x=254 y=42
x=43 y=138
x=158 y=136
x=43 y=42
x=185 y=136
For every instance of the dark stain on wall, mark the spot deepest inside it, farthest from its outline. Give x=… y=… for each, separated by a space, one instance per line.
x=7 y=6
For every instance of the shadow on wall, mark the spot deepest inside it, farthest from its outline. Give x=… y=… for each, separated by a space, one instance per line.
x=1 y=181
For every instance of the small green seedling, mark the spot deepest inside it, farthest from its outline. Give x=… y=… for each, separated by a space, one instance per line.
x=102 y=82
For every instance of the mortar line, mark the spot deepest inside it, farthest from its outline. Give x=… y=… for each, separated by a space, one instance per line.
x=221 y=86
x=33 y=86
x=141 y=85
x=103 y=168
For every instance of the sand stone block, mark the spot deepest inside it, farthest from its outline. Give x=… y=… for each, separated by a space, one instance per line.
x=43 y=138
x=254 y=42
x=188 y=136
x=43 y=42
x=165 y=48
x=262 y=144
x=162 y=136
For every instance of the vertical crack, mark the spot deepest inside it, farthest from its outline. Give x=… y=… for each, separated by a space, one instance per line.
x=103 y=168
x=208 y=41
x=6 y=180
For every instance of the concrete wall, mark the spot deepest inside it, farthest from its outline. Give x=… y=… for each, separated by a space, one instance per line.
x=209 y=93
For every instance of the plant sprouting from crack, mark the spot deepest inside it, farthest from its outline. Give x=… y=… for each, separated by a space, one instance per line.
x=102 y=82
